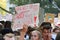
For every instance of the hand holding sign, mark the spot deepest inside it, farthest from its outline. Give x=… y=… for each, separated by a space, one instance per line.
x=25 y=14
x=24 y=30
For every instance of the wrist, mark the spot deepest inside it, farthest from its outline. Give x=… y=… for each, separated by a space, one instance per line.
x=22 y=33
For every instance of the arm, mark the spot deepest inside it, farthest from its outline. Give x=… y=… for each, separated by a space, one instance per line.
x=23 y=32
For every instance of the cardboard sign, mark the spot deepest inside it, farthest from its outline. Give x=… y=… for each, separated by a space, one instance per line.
x=26 y=14
x=49 y=17
x=55 y=21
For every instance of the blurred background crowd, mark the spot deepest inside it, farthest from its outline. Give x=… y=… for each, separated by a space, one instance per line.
x=49 y=21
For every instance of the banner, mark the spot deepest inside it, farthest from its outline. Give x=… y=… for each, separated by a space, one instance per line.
x=26 y=14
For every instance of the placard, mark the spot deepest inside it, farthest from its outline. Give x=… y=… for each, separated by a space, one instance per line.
x=26 y=14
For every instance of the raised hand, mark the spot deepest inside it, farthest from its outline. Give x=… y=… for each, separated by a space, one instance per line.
x=23 y=32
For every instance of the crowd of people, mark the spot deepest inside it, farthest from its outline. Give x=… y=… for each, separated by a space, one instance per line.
x=43 y=32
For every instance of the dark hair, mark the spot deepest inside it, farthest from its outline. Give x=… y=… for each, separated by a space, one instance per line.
x=1 y=37
x=55 y=29
x=1 y=26
x=58 y=36
x=46 y=25
x=30 y=29
x=16 y=33
x=5 y=31
x=47 y=28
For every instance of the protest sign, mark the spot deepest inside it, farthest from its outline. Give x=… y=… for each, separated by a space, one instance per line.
x=55 y=21
x=8 y=17
x=26 y=14
x=49 y=17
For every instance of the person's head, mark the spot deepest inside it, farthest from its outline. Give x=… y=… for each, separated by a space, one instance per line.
x=7 y=33
x=58 y=36
x=46 y=28
x=9 y=36
x=46 y=31
x=36 y=35
x=56 y=30
x=45 y=24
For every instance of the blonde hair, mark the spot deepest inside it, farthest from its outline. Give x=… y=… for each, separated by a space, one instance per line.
x=39 y=34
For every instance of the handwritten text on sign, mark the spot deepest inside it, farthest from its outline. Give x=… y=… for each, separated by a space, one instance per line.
x=25 y=14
